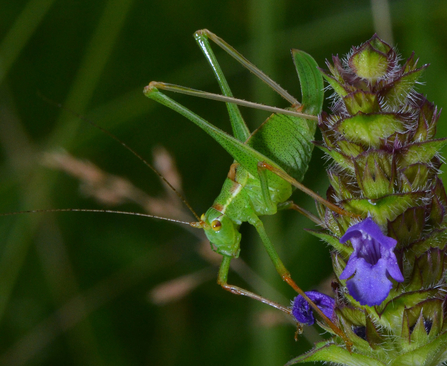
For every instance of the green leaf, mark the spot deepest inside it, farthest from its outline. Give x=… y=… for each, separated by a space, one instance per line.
x=415 y=176
x=341 y=186
x=342 y=160
x=349 y=148
x=368 y=63
x=332 y=353
x=336 y=85
x=374 y=177
x=408 y=226
x=391 y=316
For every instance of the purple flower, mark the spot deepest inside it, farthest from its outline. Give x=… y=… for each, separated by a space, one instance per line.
x=302 y=311
x=371 y=263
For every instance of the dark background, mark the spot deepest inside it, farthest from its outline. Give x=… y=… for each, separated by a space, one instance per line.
x=74 y=287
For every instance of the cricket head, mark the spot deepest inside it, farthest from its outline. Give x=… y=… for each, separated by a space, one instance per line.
x=222 y=232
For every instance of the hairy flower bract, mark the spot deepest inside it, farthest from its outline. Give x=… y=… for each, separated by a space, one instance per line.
x=380 y=139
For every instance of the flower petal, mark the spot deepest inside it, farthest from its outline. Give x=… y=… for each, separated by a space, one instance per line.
x=350 y=267
x=393 y=269
x=370 y=227
x=302 y=311
x=370 y=285
x=371 y=262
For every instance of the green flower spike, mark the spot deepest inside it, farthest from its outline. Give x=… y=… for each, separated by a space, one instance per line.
x=390 y=262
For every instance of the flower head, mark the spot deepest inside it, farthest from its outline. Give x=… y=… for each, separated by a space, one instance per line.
x=371 y=263
x=302 y=311
x=385 y=160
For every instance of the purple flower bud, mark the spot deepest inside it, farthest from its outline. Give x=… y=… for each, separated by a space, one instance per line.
x=302 y=311
x=372 y=261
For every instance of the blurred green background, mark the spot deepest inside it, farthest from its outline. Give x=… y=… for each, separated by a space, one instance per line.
x=75 y=287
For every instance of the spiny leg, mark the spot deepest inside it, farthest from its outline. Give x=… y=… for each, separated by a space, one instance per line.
x=223 y=98
x=240 y=129
x=290 y=205
x=222 y=280
x=280 y=268
x=248 y=157
x=273 y=254
x=247 y=64
x=285 y=274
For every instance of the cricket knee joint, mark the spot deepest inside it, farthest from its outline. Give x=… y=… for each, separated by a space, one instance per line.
x=230 y=288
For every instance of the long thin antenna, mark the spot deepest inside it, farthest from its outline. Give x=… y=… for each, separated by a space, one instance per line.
x=96 y=211
x=48 y=100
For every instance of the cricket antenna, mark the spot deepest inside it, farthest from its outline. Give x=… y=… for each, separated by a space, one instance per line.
x=97 y=211
x=145 y=162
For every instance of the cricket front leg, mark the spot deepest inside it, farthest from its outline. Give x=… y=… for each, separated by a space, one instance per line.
x=222 y=280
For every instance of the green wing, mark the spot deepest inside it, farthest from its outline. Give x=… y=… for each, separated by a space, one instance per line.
x=287 y=140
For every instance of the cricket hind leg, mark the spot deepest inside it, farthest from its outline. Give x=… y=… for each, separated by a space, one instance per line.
x=257 y=223
x=290 y=205
x=205 y=33
x=240 y=129
x=262 y=166
x=285 y=274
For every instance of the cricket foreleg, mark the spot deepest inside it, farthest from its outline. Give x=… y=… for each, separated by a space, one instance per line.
x=222 y=280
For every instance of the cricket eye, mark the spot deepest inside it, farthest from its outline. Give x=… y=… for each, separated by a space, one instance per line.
x=216 y=225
